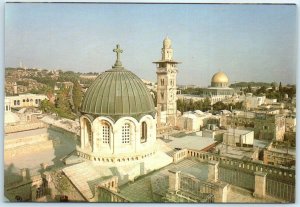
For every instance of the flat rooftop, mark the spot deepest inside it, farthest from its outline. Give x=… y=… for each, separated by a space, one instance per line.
x=193 y=142
x=237 y=131
x=32 y=160
x=143 y=184
x=235 y=152
x=260 y=143
x=198 y=169
x=287 y=150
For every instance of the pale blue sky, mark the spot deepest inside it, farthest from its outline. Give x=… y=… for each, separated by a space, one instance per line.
x=247 y=42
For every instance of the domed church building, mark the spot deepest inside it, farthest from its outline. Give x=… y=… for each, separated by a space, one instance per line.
x=118 y=121
x=118 y=133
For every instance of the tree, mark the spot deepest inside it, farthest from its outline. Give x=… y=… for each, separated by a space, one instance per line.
x=219 y=106
x=62 y=101
x=261 y=90
x=248 y=89
x=76 y=95
x=274 y=85
x=280 y=88
x=206 y=104
x=47 y=106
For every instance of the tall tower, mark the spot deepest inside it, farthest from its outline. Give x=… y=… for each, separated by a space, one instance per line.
x=166 y=85
x=15 y=87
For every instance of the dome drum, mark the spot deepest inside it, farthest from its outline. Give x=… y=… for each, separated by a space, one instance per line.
x=102 y=138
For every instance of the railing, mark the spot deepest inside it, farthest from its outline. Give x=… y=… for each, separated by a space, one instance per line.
x=280 y=190
x=180 y=155
x=110 y=183
x=283 y=174
x=105 y=195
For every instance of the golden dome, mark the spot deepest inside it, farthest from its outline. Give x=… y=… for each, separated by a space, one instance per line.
x=219 y=77
x=167 y=42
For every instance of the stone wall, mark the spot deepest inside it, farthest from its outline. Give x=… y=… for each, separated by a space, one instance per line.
x=23 y=127
x=30 y=187
x=25 y=145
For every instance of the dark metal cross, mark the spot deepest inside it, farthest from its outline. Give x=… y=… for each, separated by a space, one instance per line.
x=118 y=50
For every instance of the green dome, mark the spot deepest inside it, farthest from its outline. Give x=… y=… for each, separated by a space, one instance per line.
x=117 y=93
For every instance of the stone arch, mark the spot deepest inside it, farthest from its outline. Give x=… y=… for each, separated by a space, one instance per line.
x=103 y=131
x=146 y=124
x=128 y=127
x=144 y=131
x=86 y=132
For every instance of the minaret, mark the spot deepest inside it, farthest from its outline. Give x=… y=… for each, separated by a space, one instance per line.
x=166 y=84
x=15 y=87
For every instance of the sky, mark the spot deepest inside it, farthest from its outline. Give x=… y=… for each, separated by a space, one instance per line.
x=247 y=42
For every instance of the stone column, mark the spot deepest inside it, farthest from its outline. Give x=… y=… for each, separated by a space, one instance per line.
x=82 y=134
x=220 y=192
x=260 y=184
x=33 y=193
x=213 y=170
x=23 y=173
x=174 y=182
x=51 y=187
x=158 y=117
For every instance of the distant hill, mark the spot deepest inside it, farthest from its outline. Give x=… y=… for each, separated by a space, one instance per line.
x=252 y=84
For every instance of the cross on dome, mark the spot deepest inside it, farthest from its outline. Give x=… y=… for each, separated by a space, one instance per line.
x=118 y=50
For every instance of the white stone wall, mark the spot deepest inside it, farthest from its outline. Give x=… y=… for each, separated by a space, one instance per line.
x=115 y=149
x=26 y=100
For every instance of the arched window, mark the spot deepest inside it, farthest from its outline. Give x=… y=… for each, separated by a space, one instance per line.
x=144 y=132
x=162 y=95
x=162 y=82
x=88 y=132
x=105 y=133
x=126 y=134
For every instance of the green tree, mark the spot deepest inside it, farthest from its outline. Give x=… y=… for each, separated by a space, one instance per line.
x=261 y=90
x=77 y=95
x=62 y=101
x=206 y=104
x=219 y=106
x=248 y=89
x=47 y=106
x=280 y=88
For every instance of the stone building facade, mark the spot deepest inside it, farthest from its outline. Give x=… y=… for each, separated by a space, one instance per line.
x=280 y=154
x=26 y=100
x=269 y=127
x=265 y=126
